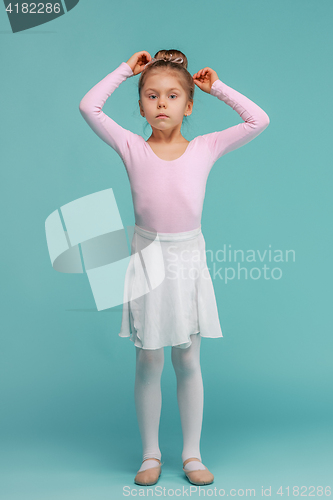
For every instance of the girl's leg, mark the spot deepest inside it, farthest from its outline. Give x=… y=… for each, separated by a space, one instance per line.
x=148 y=401
x=190 y=395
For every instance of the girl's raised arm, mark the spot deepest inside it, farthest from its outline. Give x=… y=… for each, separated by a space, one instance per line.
x=91 y=109
x=255 y=120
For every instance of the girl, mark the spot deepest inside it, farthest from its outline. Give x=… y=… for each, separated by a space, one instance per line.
x=165 y=303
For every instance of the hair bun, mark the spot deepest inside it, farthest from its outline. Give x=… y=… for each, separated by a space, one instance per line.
x=173 y=56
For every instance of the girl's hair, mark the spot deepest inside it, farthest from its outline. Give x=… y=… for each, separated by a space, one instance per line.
x=179 y=69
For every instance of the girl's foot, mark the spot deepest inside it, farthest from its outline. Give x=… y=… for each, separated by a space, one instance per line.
x=149 y=472
x=197 y=473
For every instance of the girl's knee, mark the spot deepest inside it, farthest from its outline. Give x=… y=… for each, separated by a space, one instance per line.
x=185 y=361
x=150 y=360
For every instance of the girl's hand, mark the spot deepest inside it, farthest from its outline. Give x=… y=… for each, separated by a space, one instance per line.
x=138 y=61
x=205 y=78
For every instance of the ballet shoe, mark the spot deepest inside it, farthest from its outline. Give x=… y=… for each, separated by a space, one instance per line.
x=198 y=477
x=150 y=476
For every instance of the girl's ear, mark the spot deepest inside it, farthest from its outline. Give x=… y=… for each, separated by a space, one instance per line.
x=141 y=109
x=189 y=108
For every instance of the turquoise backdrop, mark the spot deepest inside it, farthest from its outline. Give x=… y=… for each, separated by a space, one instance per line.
x=68 y=424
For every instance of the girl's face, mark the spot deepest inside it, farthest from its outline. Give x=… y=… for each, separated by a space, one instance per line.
x=163 y=94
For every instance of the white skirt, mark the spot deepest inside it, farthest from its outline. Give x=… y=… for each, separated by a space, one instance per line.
x=168 y=291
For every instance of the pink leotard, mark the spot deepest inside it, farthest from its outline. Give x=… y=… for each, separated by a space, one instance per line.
x=167 y=195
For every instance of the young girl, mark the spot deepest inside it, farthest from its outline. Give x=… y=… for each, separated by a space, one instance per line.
x=165 y=302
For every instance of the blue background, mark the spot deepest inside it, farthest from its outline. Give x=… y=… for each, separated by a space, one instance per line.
x=68 y=424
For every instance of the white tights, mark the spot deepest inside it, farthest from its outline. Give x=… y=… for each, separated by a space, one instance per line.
x=148 y=398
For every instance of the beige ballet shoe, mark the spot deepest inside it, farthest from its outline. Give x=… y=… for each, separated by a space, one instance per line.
x=198 y=477
x=149 y=476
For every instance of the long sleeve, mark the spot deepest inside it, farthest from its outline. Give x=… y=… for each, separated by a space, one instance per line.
x=91 y=109
x=255 y=120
